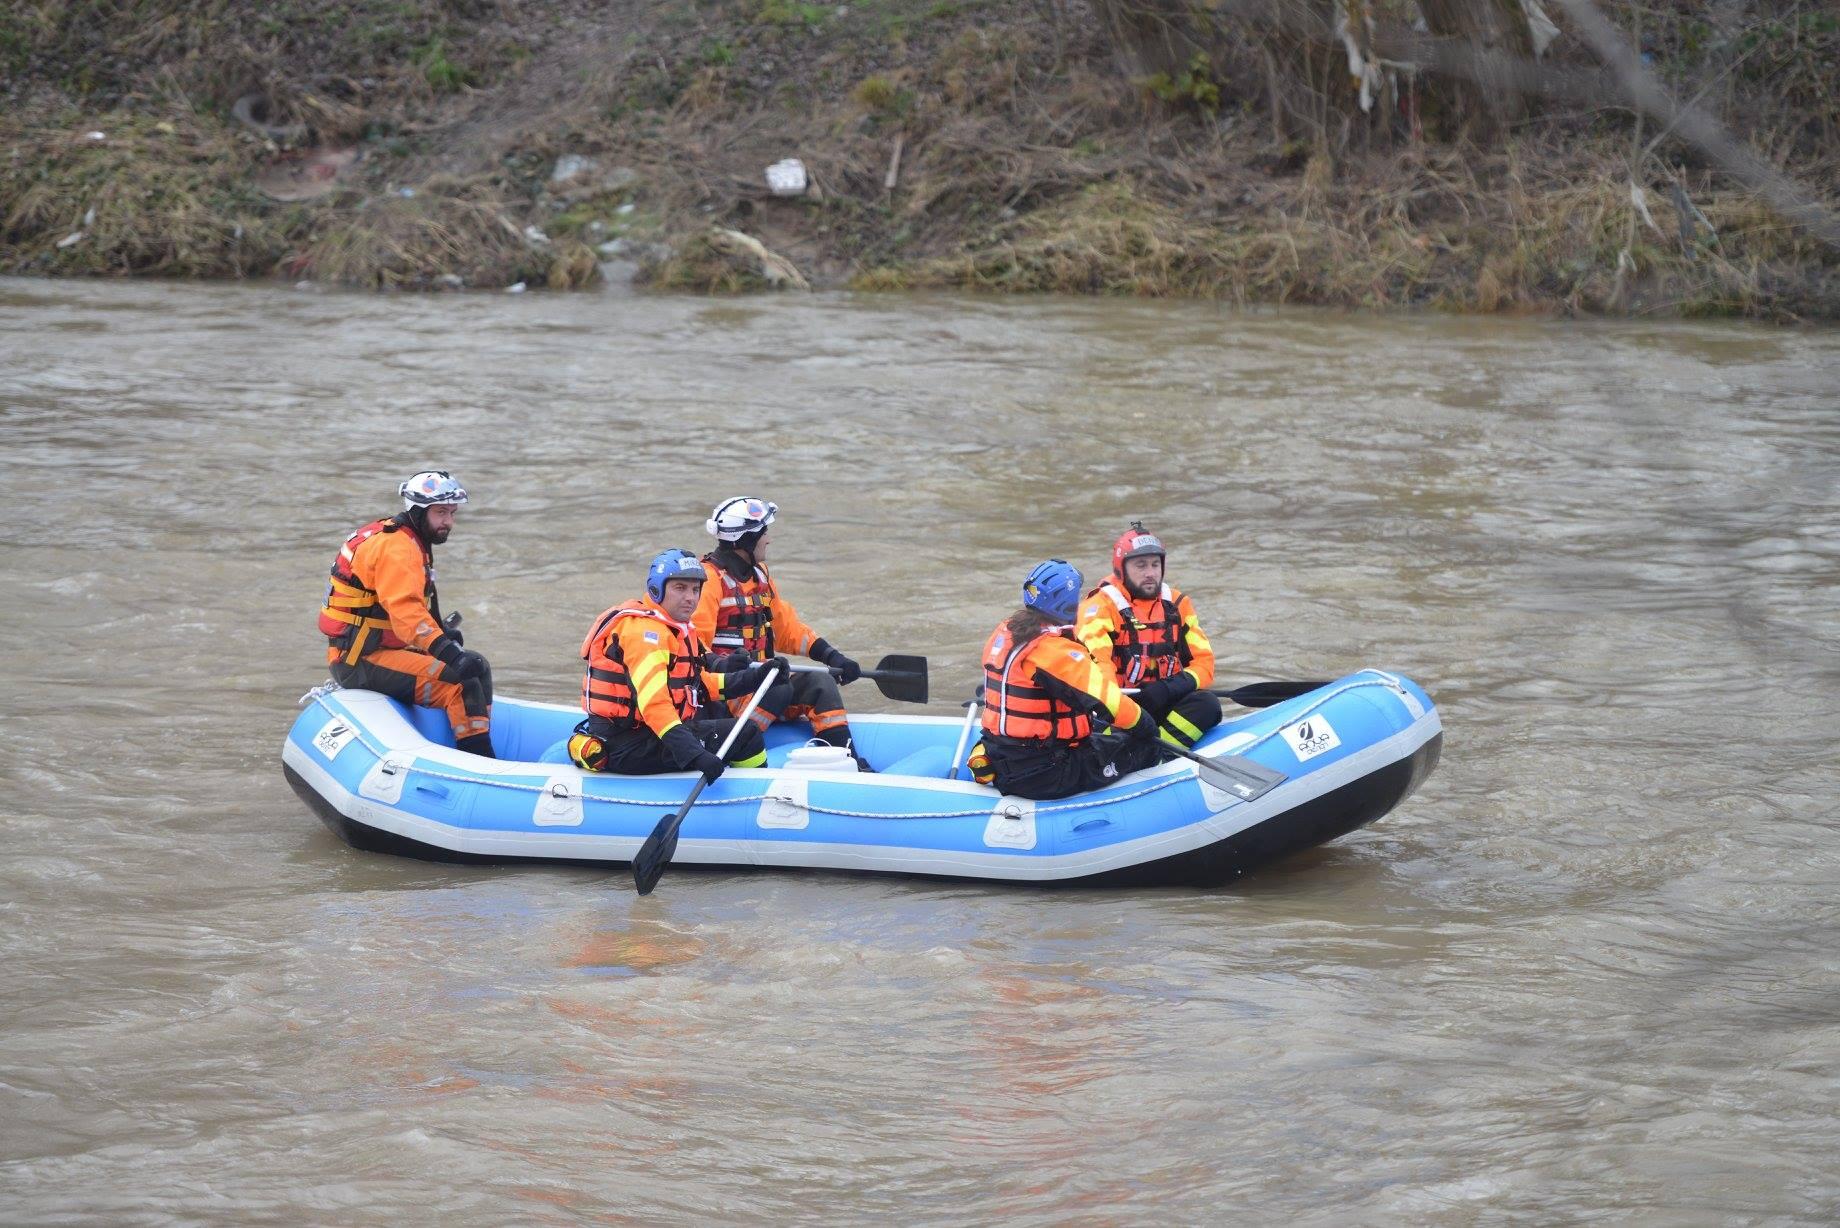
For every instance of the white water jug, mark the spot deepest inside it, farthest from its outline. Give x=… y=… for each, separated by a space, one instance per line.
x=821 y=757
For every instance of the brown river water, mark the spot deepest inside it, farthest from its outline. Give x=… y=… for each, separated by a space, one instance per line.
x=1591 y=971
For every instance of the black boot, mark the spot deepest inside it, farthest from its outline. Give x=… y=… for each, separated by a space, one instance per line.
x=477 y=744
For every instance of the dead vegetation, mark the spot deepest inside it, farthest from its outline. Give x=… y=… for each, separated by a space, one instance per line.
x=968 y=144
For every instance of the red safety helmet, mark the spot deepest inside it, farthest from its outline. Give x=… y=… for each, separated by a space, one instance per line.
x=1135 y=543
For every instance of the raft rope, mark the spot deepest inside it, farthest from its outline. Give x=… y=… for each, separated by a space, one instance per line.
x=318 y=697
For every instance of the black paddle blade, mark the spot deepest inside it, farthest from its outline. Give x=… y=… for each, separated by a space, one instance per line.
x=655 y=854
x=1265 y=694
x=901 y=678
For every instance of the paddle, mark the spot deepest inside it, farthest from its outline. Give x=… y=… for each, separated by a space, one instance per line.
x=1233 y=773
x=655 y=854
x=899 y=677
x=1265 y=694
x=974 y=706
x=1259 y=694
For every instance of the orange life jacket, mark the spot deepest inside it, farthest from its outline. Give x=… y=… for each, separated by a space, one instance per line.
x=1015 y=705
x=1146 y=651
x=351 y=612
x=607 y=690
x=744 y=616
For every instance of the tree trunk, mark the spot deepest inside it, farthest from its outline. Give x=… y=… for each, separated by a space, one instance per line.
x=1490 y=27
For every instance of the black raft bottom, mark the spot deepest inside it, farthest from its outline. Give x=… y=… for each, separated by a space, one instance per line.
x=1317 y=821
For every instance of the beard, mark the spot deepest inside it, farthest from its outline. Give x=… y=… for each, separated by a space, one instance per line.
x=436 y=536
x=1146 y=589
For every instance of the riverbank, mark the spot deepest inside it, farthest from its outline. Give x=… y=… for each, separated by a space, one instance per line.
x=953 y=144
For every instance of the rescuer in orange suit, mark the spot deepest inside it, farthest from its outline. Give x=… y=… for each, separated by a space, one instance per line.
x=1146 y=636
x=742 y=612
x=647 y=685
x=1041 y=689
x=382 y=619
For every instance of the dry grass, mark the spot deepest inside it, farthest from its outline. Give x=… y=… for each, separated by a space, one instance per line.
x=170 y=197
x=1031 y=162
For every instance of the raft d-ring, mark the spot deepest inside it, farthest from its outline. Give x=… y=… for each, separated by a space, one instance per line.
x=1013 y=813
x=559 y=791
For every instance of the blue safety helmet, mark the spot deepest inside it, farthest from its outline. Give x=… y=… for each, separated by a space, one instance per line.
x=672 y=565
x=1054 y=589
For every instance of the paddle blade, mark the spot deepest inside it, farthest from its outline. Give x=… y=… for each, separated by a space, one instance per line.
x=1265 y=694
x=901 y=678
x=655 y=854
x=1239 y=776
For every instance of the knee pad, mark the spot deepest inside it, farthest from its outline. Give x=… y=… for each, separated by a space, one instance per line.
x=586 y=751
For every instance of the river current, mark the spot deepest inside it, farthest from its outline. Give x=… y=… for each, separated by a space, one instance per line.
x=1588 y=972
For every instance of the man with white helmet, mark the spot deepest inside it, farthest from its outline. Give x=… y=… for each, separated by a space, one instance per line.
x=742 y=612
x=382 y=618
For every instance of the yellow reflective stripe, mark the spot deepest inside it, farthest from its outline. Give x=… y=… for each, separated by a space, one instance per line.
x=1171 y=738
x=1186 y=731
x=1102 y=688
x=648 y=690
x=757 y=759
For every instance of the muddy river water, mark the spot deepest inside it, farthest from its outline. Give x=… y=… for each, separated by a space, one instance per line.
x=1592 y=969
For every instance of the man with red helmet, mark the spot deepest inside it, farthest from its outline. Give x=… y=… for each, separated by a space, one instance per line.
x=1146 y=634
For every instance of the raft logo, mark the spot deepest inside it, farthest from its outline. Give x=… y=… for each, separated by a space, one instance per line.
x=1310 y=737
x=333 y=738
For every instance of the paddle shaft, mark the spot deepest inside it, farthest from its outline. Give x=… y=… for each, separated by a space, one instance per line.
x=974 y=707
x=899 y=677
x=1248 y=781
x=649 y=863
x=1261 y=694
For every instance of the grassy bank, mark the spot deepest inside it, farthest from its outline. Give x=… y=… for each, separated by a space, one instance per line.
x=950 y=143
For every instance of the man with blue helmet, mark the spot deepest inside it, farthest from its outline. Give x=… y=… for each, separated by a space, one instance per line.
x=382 y=620
x=646 y=685
x=1041 y=689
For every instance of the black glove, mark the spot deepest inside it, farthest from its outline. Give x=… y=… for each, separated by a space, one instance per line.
x=727 y=662
x=451 y=625
x=1166 y=693
x=748 y=682
x=842 y=668
x=711 y=766
x=463 y=662
x=846 y=670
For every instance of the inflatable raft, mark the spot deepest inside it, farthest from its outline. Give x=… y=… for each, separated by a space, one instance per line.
x=387 y=779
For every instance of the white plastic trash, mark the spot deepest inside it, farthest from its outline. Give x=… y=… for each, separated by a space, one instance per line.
x=821 y=757
x=787 y=178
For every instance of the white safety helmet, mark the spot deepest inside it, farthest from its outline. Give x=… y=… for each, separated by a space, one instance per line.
x=735 y=518
x=430 y=489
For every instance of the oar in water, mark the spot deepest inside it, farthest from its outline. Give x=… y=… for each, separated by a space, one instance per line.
x=655 y=854
x=899 y=677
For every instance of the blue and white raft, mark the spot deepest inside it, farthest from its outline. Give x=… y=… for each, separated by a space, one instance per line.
x=387 y=779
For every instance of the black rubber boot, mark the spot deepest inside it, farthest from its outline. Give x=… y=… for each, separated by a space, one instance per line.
x=478 y=744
